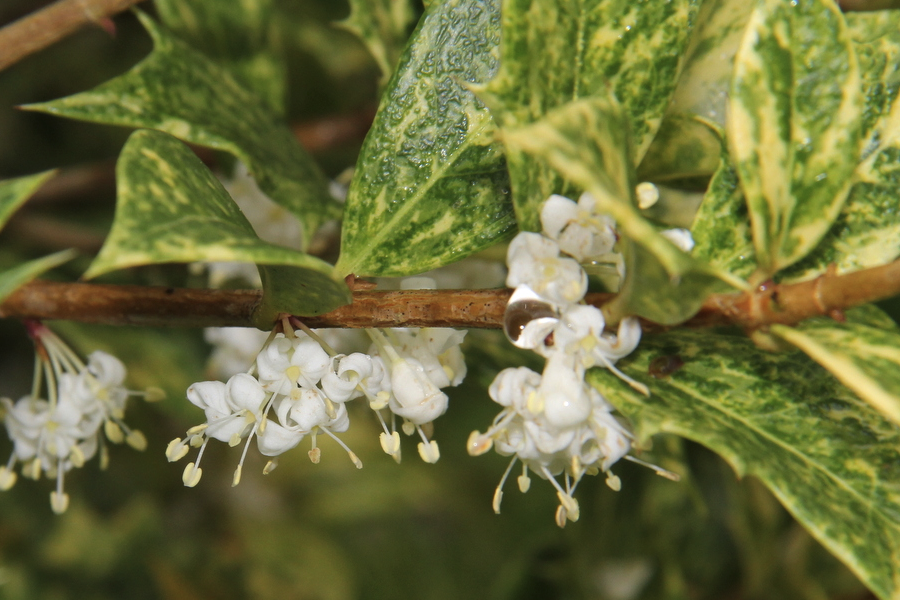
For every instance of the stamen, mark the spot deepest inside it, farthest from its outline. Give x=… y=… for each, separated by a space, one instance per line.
x=656 y=469
x=524 y=480
x=498 y=491
x=353 y=457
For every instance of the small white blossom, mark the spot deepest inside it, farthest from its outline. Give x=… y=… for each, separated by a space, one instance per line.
x=534 y=261
x=578 y=229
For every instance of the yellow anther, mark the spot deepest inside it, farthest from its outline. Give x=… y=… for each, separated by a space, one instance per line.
x=137 y=440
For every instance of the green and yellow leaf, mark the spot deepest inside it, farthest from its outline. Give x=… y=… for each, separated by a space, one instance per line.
x=182 y=92
x=827 y=456
x=383 y=26
x=431 y=185
x=240 y=36
x=721 y=228
x=863 y=356
x=170 y=208
x=867 y=231
x=556 y=52
x=14 y=192
x=794 y=125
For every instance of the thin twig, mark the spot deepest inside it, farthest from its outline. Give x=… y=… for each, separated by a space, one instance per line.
x=788 y=304
x=47 y=26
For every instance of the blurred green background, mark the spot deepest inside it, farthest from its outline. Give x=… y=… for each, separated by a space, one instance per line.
x=330 y=531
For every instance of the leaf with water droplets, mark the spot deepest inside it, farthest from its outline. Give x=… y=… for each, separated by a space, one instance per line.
x=431 y=185
x=556 y=52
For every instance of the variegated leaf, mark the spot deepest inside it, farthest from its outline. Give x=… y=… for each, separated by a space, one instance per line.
x=238 y=35
x=794 y=125
x=180 y=91
x=863 y=357
x=14 y=193
x=556 y=52
x=721 y=228
x=587 y=143
x=431 y=185
x=383 y=26
x=685 y=148
x=827 y=456
x=170 y=208
x=867 y=231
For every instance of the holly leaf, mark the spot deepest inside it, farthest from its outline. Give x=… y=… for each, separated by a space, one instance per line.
x=864 y=356
x=587 y=143
x=182 y=92
x=171 y=208
x=827 y=456
x=867 y=231
x=383 y=26
x=794 y=125
x=15 y=192
x=721 y=228
x=556 y=52
x=240 y=36
x=685 y=147
x=431 y=185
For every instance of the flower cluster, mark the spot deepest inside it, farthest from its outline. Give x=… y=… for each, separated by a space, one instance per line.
x=299 y=386
x=53 y=435
x=554 y=422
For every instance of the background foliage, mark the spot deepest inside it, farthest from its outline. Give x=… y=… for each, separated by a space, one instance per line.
x=457 y=125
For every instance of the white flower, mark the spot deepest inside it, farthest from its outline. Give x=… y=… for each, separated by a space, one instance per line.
x=534 y=261
x=578 y=229
x=286 y=363
x=415 y=397
x=340 y=384
x=564 y=393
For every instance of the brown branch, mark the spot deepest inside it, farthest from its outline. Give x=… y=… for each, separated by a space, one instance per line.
x=47 y=26
x=788 y=304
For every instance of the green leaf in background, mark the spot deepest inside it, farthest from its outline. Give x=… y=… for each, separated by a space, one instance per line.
x=431 y=185
x=556 y=52
x=867 y=231
x=13 y=194
x=827 y=456
x=863 y=356
x=794 y=125
x=685 y=147
x=383 y=26
x=587 y=142
x=721 y=228
x=170 y=208
x=12 y=279
x=238 y=35
x=178 y=90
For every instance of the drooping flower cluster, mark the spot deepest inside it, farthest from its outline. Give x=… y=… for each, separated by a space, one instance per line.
x=53 y=435
x=299 y=386
x=554 y=422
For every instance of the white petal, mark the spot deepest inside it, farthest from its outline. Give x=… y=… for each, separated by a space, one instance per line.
x=276 y=439
x=209 y=394
x=245 y=392
x=557 y=212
